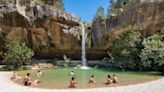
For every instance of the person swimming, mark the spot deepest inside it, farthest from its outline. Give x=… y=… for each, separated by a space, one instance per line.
x=72 y=73
x=91 y=80
x=73 y=83
x=39 y=73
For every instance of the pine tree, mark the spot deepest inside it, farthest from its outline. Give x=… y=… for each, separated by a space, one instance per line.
x=111 y=8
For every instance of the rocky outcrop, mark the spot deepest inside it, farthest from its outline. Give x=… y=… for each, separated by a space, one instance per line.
x=146 y=13
x=48 y=31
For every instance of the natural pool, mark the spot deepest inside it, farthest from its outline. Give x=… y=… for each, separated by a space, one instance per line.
x=59 y=78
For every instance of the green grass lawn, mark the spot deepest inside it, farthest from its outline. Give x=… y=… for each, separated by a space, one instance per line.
x=59 y=78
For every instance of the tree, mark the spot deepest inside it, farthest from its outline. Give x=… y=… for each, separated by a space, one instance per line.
x=100 y=14
x=120 y=3
x=126 y=49
x=152 y=56
x=57 y=3
x=111 y=8
x=17 y=53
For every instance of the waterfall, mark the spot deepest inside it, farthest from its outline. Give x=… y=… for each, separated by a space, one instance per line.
x=83 y=56
x=83 y=45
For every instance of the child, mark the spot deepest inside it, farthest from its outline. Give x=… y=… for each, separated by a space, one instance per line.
x=109 y=80
x=91 y=80
x=115 y=79
x=73 y=83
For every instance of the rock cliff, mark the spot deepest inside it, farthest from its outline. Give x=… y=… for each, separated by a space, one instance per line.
x=146 y=13
x=48 y=31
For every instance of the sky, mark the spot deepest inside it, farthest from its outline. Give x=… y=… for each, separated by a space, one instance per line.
x=85 y=9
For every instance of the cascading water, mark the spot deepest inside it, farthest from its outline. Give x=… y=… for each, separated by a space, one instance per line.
x=84 y=64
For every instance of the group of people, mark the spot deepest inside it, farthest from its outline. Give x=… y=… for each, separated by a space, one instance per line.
x=110 y=80
x=27 y=80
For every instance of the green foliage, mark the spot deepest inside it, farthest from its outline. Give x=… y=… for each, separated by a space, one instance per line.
x=17 y=53
x=55 y=62
x=2 y=46
x=100 y=14
x=162 y=24
x=111 y=8
x=115 y=6
x=57 y=3
x=120 y=3
x=66 y=61
x=126 y=49
x=152 y=56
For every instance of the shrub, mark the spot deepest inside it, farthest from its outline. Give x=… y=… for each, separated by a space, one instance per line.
x=152 y=56
x=17 y=53
x=55 y=62
x=66 y=61
x=126 y=49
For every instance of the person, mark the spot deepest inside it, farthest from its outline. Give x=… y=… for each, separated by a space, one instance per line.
x=14 y=76
x=115 y=79
x=39 y=73
x=35 y=82
x=72 y=73
x=73 y=83
x=91 y=80
x=109 y=80
x=27 y=80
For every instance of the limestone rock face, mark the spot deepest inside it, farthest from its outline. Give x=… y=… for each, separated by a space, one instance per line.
x=45 y=29
x=147 y=13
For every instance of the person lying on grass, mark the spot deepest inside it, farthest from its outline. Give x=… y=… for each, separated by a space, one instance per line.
x=92 y=80
x=73 y=83
x=109 y=80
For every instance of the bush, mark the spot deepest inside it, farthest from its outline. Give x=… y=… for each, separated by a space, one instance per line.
x=126 y=49
x=17 y=53
x=152 y=56
x=55 y=62
x=66 y=61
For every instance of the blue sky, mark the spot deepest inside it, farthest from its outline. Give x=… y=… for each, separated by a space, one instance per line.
x=86 y=9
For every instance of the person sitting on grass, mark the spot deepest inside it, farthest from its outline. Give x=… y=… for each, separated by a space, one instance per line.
x=27 y=80
x=115 y=79
x=72 y=73
x=73 y=83
x=109 y=80
x=39 y=73
x=91 y=80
